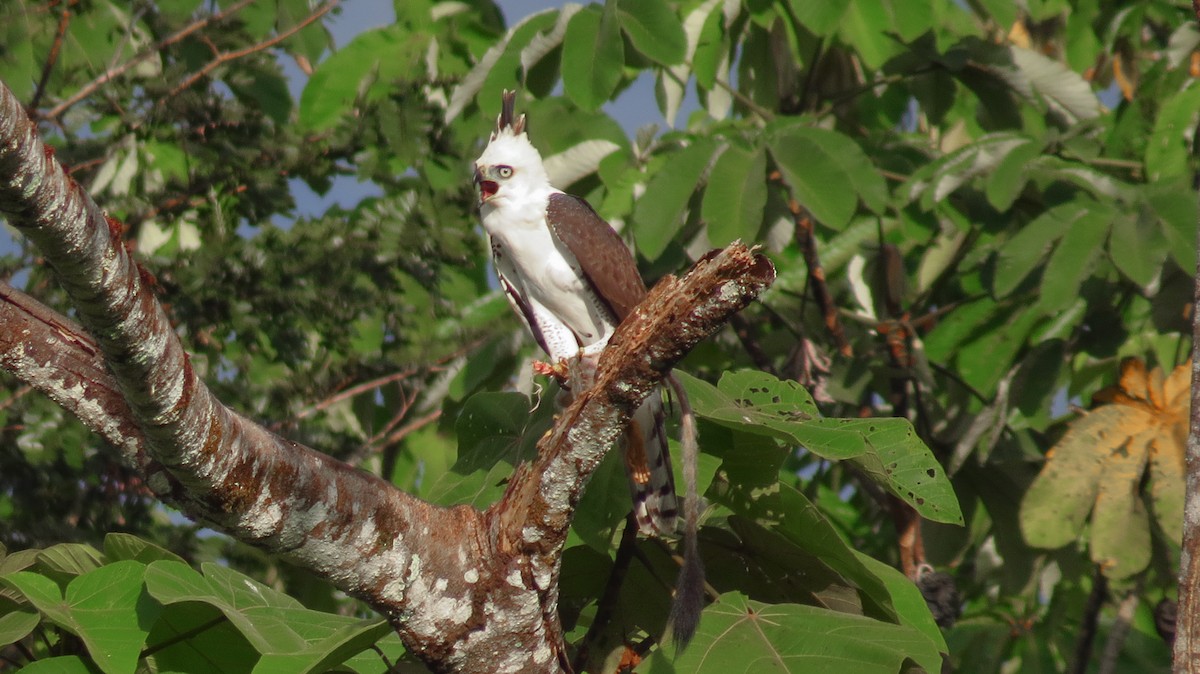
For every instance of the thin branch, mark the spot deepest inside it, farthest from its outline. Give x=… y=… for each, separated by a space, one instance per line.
x=64 y=20
x=1119 y=632
x=806 y=237
x=1089 y=622
x=353 y=391
x=113 y=73
x=225 y=57
x=610 y=595
x=17 y=395
x=412 y=427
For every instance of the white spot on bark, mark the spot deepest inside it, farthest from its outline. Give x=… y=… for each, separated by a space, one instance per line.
x=471 y=576
x=514 y=579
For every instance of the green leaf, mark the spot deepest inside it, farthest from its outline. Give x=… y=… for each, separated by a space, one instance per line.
x=887 y=449
x=822 y=17
x=936 y=180
x=64 y=664
x=290 y=637
x=106 y=608
x=118 y=546
x=68 y=560
x=17 y=624
x=911 y=607
x=654 y=30
x=735 y=196
x=1137 y=247
x=784 y=510
x=1024 y=252
x=1168 y=148
x=1073 y=259
x=1010 y=175
x=1034 y=76
x=657 y=215
x=593 y=55
x=366 y=67
x=738 y=634
x=828 y=172
x=496 y=431
x=785 y=403
x=865 y=27
x=112 y=614
x=1175 y=205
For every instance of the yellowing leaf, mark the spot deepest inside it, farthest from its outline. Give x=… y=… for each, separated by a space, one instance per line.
x=1138 y=431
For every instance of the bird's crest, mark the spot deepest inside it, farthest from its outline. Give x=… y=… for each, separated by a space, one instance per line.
x=508 y=123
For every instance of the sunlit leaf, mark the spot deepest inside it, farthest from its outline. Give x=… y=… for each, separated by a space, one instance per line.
x=658 y=214
x=735 y=196
x=593 y=52
x=829 y=173
x=653 y=29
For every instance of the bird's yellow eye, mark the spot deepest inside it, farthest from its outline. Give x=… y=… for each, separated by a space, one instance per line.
x=504 y=171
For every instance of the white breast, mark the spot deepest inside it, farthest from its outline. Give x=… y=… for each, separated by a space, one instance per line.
x=546 y=271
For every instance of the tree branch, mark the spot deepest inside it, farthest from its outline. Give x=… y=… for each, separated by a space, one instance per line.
x=466 y=591
x=113 y=73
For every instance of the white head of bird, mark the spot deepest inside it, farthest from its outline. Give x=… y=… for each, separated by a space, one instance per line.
x=510 y=172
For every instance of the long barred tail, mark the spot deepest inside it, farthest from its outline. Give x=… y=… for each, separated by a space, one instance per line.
x=648 y=466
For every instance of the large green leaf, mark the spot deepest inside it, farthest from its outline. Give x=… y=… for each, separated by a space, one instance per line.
x=1028 y=247
x=496 y=431
x=593 y=53
x=367 y=67
x=107 y=608
x=785 y=511
x=658 y=214
x=63 y=664
x=118 y=546
x=886 y=449
x=828 y=172
x=16 y=624
x=290 y=637
x=1168 y=148
x=819 y=16
x=1137 y=247
x=735 y=196
x=938 y=179
x=738 y=634
x=1073 y=259
x=653 y=29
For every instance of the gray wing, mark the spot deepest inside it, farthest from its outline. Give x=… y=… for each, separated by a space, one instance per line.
x=604 y=258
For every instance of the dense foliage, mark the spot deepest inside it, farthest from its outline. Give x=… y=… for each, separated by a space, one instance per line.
x=977 y=211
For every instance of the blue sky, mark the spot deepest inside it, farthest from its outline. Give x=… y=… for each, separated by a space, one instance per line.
x=635 y=108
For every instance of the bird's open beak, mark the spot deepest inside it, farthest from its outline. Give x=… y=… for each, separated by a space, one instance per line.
x=484 y=189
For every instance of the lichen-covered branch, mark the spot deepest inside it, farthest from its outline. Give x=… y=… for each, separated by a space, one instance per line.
x=467 y=591
x=346 y=525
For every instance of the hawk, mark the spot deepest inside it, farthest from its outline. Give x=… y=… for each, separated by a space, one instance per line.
x=571 y=280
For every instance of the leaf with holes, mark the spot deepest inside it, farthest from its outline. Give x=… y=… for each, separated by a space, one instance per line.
x=887 y=449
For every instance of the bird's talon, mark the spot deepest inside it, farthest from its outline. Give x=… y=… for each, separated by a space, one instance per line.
x=558 y=370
